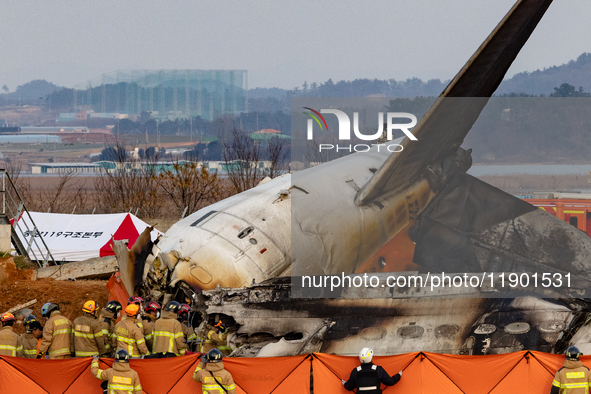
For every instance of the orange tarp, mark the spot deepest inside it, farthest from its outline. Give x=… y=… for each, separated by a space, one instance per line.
x=523 y=372
x=278 y=375
x=117 y=290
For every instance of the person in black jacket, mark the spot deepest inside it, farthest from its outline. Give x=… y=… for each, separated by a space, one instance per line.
x=368 y=377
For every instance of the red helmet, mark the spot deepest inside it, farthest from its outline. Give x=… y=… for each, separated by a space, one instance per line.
x=184 y=310
x=152 y=306
x=6 y=317
x=135 y=300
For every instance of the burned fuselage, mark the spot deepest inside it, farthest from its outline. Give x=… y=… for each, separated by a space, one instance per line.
x=265 y=320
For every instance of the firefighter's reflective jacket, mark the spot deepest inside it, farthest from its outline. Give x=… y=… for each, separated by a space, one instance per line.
x=168 y=335
x=148 y=322
x=188 y=332
x=11 y=343
x=58 y=337
x=572 y=378
x=122 y=379
x=89 y=339
x=29 y=345
x=130 y=337
x=107 y=325
x=214 y=339
x=213 y=377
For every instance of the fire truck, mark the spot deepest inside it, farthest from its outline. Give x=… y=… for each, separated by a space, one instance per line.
x=572 y=207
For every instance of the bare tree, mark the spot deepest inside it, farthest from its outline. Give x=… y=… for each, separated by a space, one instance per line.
x=241 y=158
x=278 y=152
x=190 y=185
x=63 y=197
x=131 y=183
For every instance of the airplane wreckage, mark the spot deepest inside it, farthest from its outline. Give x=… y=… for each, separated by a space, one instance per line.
x=239 y=259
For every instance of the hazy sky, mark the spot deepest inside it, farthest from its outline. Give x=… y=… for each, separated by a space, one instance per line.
x=280 y=43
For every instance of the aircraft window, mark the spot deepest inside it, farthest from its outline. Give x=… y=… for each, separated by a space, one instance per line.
x=373 y=333
x=293 y=336
x=245 y=232
x=202 y=218
x=409 y=331
x=447 y=331
x=574 y=221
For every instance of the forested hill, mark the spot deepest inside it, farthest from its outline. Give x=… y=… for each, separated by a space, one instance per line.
x=576 y=73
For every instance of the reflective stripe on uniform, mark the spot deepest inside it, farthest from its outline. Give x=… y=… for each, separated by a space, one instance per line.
x=86 y=354
x=368 y=388
x=60 y=351
x=121 y=387
x=62 y=331
x=170 y=337
x=13 y=349
x=83 y=335
x=124 y=339
x=575 y=385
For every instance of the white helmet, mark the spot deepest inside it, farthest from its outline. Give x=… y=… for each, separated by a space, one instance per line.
x=365 y=355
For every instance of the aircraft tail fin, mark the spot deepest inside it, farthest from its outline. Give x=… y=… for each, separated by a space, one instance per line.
x=441 y=131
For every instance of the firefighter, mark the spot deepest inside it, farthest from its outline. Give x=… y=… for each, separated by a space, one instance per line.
x=11 y=343
x=129 y=336
x=121 y=378
x=168 y=332
x=107 y=322
x=213 y=377
x=188 y=332
x=58 y=335
x=217 y=337
x=368 y=377
x=29 y=339
x=137 y=301
x=151 y=312
x=89 y=339
x=573 y=377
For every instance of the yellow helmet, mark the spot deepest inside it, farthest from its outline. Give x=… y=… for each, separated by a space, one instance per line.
x=90 y=307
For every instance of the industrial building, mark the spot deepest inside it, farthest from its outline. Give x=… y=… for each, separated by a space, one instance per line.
x=166 y=94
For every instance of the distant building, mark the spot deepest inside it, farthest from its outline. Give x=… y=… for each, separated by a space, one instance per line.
x=64 y=168
x=166 y=94
x=53 y=129
x=89 y=114
x=214 y=167
x=265 y=135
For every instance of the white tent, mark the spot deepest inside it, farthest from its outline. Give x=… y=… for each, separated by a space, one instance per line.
x=78 y=237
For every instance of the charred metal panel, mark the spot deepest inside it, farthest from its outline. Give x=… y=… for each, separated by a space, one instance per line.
x=269 y=322
x=472 y=226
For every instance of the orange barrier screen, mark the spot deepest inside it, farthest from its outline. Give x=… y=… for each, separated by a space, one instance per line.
x=524 y=372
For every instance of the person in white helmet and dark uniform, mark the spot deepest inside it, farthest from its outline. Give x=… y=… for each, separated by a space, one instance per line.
x=368 y=377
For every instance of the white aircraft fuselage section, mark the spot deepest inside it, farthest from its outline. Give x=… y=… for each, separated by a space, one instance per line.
x=306 y=223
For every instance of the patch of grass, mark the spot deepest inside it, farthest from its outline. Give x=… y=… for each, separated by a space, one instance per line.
x=23 y=263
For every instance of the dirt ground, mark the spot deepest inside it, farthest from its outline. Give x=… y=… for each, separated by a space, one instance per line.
x=70 y=295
